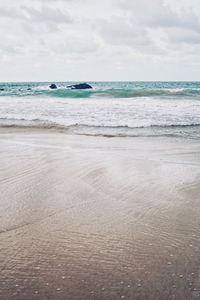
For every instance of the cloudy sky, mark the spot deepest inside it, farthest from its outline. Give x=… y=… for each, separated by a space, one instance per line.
x=82 y=40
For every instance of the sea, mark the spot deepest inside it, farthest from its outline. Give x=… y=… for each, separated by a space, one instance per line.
x=109 y=109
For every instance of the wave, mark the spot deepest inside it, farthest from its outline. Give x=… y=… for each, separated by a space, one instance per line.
x=44 y=91
x=109 y=109
x=36 y=121
x=191 y=130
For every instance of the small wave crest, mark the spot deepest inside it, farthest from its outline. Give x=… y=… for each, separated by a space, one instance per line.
x=191 y=130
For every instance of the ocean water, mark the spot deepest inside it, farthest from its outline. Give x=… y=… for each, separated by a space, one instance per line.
x=110 y=108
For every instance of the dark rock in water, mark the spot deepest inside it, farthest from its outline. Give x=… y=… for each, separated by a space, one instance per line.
x=29 y=89
x=53 y=86
x=80 y=86
x=2 y=89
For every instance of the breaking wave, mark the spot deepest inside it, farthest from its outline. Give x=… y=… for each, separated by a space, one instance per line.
x=192 y=130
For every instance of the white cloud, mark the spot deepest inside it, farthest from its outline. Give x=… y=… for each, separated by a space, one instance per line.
x=107 y=39
x=46 y=14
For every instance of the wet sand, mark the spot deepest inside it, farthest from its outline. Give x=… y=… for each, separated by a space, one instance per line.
x=98 y=218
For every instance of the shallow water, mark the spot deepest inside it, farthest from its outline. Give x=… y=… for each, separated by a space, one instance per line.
x=96 y=218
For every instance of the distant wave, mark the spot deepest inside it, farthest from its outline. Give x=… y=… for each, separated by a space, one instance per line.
x=101 y=93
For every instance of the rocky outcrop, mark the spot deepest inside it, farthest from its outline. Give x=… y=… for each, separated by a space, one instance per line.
x=53 y=86
x=80 y=86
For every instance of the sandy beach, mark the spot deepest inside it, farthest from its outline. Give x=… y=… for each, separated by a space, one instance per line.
x=85 y=217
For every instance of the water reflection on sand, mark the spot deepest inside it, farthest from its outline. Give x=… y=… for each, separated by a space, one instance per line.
x=98 y=218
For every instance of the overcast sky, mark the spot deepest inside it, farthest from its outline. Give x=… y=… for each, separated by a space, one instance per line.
x=82 y=40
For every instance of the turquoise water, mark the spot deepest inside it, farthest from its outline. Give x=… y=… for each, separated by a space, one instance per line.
x=110 y=108
x=104 y=89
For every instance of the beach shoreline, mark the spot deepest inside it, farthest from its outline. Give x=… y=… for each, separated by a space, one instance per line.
x=85 y=217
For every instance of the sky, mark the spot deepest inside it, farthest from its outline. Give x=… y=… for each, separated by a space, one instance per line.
x=99 y=40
